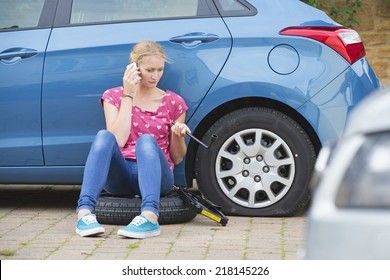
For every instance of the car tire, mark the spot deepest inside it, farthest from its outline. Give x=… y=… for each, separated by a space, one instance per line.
x=260 y=165
x=121 y=210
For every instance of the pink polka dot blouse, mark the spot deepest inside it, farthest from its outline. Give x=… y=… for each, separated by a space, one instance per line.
x=157 y=123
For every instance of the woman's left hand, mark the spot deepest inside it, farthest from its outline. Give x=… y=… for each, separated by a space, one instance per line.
x=180 y=129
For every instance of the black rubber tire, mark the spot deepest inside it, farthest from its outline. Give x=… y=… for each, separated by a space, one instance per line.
x=288 y=131
x=121 y=210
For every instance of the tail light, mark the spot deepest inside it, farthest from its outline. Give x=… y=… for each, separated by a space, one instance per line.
x=345 y=41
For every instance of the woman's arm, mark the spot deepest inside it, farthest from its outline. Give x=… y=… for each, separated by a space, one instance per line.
x=119 y=121
x=177 y=146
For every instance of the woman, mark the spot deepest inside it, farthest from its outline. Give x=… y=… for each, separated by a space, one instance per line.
x=137 y=152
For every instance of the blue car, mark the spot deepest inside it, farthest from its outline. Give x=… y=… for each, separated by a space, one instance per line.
x=274 y=80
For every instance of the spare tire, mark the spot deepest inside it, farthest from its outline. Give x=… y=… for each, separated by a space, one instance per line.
x=121 y=210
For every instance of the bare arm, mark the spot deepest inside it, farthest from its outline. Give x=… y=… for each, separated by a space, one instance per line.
x=177 y=147
x=119 y=121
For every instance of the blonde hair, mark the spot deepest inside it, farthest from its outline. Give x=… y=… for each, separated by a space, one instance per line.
x=146 y=48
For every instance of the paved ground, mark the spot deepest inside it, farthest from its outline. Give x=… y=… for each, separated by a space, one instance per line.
x=37 y=222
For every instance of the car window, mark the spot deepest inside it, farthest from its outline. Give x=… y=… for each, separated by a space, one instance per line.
x=20 y=13
x=87 y=11
x=235 y=8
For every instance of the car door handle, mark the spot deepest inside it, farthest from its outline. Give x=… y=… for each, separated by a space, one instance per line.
x=193 y=39
x=17 y=53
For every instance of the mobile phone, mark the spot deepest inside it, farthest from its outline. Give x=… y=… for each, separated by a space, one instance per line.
x=131 y=65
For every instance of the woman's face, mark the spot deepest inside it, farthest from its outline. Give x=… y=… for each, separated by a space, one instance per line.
x=151 y=68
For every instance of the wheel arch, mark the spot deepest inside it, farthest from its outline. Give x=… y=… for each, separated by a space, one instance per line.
x=236 y=104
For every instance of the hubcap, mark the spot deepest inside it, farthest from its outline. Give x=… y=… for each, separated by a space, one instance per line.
x=255 y=168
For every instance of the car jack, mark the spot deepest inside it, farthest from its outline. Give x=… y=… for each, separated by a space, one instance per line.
x=203 y=206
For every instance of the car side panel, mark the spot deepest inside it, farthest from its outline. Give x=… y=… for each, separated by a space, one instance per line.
x=20 y=94
x=329 y=110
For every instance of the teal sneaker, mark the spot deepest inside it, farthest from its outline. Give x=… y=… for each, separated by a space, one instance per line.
x=88 y=225
x=140 y=227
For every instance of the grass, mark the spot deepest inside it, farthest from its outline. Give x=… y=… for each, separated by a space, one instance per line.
x=7 y=252
x=282 y=235
x=134 y=246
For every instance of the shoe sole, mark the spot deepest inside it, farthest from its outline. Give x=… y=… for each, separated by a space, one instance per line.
x=138 y=235
x=90 y=232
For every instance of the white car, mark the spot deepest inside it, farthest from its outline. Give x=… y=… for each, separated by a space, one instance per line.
x=350 y=213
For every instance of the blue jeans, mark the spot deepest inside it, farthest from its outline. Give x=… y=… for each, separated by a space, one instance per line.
x=149 y=176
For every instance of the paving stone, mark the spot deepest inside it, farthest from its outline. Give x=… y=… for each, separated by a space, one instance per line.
x=42 y=226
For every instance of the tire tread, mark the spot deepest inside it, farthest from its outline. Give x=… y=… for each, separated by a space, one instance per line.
x=122 y=210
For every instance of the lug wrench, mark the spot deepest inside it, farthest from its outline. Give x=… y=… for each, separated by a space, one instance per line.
x=213 y=138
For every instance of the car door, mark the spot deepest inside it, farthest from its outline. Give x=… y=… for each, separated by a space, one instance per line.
x=89 y=50
x=24 y=32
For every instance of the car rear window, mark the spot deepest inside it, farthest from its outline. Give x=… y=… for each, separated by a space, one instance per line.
x=235 y=8
x=20 y=13
x=89 y=11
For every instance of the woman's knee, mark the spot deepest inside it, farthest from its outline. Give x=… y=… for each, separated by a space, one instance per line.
x=104 y=139
x=146 y=143
x=146 y=138
x=104 y=133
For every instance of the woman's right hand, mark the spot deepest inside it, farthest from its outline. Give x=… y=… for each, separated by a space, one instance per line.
x=131 y=79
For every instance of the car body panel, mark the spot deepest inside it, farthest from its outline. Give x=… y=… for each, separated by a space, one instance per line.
x=23 y=54
x=351 y=239
x=330 y=108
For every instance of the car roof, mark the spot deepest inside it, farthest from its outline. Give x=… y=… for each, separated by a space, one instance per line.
x=372 y=115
